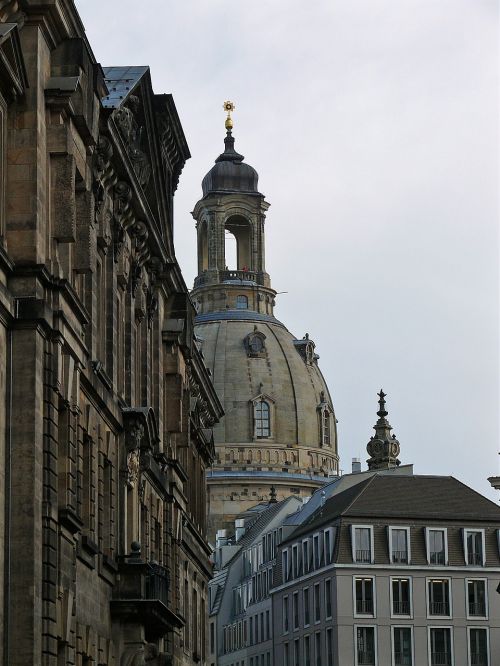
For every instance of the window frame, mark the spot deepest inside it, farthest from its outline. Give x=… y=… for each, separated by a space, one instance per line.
x=286 y=615
x=412 y=633
x=239 y=299
x=481 y=531
x=427 y=597
x=440 y=626
x=375 y=642
x=428 y=530
x=408 y=543
x=307 y=590
x=475 y=618
x=488 y=649
x=410 y=595
x=328 y=597
x=328 y=557
x=353 y=543
x=355 y=612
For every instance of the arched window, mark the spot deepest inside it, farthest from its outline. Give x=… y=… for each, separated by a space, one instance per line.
x=241 y=303
x=326 y=427
x=262 y=417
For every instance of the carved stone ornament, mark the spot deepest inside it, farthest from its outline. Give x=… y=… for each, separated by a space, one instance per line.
x=126 y=119
x=133 y=467
x=255 y=344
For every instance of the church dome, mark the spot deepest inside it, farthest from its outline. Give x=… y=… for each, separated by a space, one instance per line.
x=257 y=364
x=230 y=173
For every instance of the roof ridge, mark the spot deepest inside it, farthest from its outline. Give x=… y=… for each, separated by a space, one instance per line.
x=356 y=497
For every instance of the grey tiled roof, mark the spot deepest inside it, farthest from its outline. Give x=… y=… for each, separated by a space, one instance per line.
x=120 y=82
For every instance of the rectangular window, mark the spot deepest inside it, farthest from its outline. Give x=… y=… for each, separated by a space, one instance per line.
x=328 y=544
x=317 y=649
x=328 y=598
x=306 y=555
x=295 y=561
x=329 y=647
x=362 y=544
x=317 y=602
x=307 y=651
x=286 y=617
x=251 y=630
x=286 y=654
x=402 y=646
x=364 y=597
x=437 y=548
x=399 y=544
x=401 y=600
x=365 y=646
x=295 y=610
x=316 y=551
x=474 y=547
x=440 y=646
x=439 y=596
x=268 y=625
x=476 y=598
x=296 y=653
x=284 y=564
x=478 y=647
x=307 y=604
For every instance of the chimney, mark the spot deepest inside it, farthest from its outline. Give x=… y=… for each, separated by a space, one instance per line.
x=356 y=465
x=239 y=527
x=221 y=538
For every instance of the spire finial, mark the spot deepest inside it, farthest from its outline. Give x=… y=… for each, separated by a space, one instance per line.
x=383 y=448
x=229 y=107
x=382 y=410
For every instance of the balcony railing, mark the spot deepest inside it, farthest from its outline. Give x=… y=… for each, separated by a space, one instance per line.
x=439 y=608
x=364 y=606
x=476 y=559
x=478 y=659
x=477 y=608
x=363 y=556
x=238 y=275
x=402 y=659
x=366 y=658
x=400 y=556
x=440 y=659
x=157 y=583
x=401 y=607
x=437 y=557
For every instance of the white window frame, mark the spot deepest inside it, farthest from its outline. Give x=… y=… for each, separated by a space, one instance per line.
x=402 y=626
x=408 y=543
x=450 y=595
x=354 y=612
x=328 y=617
x=353 y=543
x=488 y=653
x=483 y=546
x=309 y=597
x=328 y=557
x=410 y=585
x=476 y=618
x=296 y=562
x=285 y=603
x=316 y=590
x=375 y=642
x=452 y=646
x=285 y=554
x=427 y=544
x=307 y=541
x=295 y=595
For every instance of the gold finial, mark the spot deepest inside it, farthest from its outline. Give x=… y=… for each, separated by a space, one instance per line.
x=229 y=107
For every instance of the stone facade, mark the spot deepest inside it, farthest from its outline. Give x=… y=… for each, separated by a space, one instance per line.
x=106 y=406
x=279 y=429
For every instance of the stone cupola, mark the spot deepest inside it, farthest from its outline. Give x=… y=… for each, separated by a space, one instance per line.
x=383 y=448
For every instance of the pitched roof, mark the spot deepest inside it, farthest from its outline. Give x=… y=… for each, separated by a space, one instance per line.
x=418 y=497
x=120 y=82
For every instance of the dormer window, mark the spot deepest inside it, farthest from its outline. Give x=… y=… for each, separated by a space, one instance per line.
x=241 y=302
x=255 y=344
x=474 y=547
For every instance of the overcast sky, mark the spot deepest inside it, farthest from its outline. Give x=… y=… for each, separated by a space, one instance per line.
x=373 y=126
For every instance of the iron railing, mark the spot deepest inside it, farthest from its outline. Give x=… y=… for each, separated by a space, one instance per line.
x=363 y=556
x=366 y=658
x=401 y=607
x=364 y=606
x=439 y=608
x=440 y=659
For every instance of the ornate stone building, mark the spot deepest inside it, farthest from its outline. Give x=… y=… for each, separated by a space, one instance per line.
x=279 y=428
x=106 y=406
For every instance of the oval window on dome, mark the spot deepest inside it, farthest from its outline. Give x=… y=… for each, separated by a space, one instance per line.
x=241 y=302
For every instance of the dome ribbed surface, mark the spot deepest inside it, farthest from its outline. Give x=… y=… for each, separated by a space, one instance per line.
x=230 y=173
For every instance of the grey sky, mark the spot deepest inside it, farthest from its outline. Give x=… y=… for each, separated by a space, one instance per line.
x=373 y=126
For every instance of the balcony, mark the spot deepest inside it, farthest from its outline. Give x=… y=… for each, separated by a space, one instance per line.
x=475 y=559
x=477 y=608
x=402 y=659
x=478 y=659
x=400 y=556
x=366 y=658
x=401 y=607
x=439 y=608
x=437 y=557
x=141 y=596
x=364 y=606
x=363 y=556
x=440 y=659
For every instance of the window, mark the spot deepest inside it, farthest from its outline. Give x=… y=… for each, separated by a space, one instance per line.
x=365 y=646
x=286 y=654
x=440 y=647
x=363 y=544
x=329 y=647
x=284 y=564
x=402 y=646
x=317 y=602
x=399 y=544
x=295 y=604
x=317 y=551
x=306 y=555
x=325 y=426
x=307 y=613
x=401 y=596
x=262 y=418
x=329 y=535
x=478 y=646
x=307 y=651
x=296 y=653
x=251 y=630
x=364 y=602
x=296 y=562
x=328 y=597
x=286 y=617
x=476 y=598
x=437 y=546
x=317 y=649
x=474 y=547
x=241 y=303
x=439 y=596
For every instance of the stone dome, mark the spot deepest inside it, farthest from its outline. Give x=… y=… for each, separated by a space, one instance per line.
x=253 y=356
x=230 y=173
